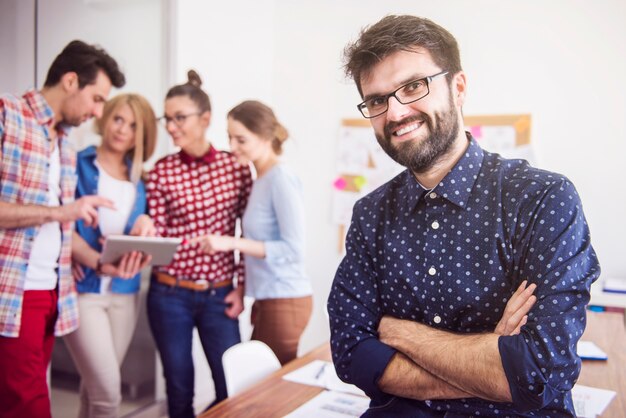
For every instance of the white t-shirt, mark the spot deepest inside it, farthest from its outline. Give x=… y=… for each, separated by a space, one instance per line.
x=113 y=222
x=41 y=273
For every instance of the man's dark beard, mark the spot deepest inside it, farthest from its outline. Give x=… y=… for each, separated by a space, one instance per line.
x=419 y=157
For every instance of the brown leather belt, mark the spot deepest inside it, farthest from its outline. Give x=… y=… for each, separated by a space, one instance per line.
x=197 y=285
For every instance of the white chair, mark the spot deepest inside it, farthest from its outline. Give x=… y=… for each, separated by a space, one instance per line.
x=246 y=363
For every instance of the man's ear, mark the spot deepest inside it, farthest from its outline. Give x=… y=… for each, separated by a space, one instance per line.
x=69 y=82
x=459 y=87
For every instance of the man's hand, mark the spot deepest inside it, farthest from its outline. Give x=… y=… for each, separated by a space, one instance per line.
x=515 y=315
x=129 y=265
x=143 y=227
x=516 y=311
x=391 y=330
x=212 y=244
x=465 y=363
x=85 y=208
x=234 y=302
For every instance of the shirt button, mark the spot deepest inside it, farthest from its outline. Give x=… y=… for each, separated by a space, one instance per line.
x=433 y=195
x=437 y=319
x=432 y=271
x=435 y=225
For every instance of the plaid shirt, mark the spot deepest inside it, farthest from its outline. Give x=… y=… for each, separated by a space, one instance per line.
x=24 y=161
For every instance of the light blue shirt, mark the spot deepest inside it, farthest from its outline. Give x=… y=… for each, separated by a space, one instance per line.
x=275 y=215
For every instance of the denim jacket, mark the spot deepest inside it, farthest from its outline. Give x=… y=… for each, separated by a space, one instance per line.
x=88 y=185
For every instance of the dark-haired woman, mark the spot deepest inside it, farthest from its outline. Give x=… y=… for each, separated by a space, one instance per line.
x=196 y=191
x=273 y=226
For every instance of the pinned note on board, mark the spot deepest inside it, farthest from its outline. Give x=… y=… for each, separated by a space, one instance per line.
x=507 y=135
x=350 y=183
x=362 y=166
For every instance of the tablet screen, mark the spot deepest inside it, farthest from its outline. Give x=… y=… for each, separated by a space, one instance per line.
x=161 y=249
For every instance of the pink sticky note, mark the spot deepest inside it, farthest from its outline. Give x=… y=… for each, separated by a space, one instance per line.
x=476 y=131
x=340 y=183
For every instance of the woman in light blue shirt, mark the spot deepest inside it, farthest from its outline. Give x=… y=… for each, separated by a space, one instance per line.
x=273 y=229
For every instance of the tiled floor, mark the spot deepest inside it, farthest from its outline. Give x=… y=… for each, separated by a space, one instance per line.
x=65 y=402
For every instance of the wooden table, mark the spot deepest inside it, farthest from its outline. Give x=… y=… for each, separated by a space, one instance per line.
x=275 y=397
x=606 y=330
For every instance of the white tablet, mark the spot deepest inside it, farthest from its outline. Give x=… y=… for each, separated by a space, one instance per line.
x=161 y=249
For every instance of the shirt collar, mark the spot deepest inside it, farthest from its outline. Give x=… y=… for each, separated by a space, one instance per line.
x=43 y=113
x=208 y=157
x=456 y=186
x=91 y=152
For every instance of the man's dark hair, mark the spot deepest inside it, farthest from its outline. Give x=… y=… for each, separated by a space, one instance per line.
x=192 y=89
x=400 y=33
x=85 y=60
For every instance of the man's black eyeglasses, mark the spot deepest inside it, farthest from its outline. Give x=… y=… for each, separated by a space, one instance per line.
x=405 y=94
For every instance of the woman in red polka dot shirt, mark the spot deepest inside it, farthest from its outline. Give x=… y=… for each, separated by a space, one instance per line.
x=197 y=191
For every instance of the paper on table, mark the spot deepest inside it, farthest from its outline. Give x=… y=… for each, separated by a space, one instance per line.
x=614 y=285
x=590 y=402
x=330 y=404
x=587 y=350
x=321 y=373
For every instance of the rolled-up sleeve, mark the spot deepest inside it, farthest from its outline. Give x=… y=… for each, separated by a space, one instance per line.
x=354 y=312
x=157 y=207
x=554 y=251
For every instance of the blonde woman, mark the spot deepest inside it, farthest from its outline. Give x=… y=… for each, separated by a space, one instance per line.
x=273 y=228
x=108 y=294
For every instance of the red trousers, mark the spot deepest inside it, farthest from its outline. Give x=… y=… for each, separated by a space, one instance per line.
x=24 y=360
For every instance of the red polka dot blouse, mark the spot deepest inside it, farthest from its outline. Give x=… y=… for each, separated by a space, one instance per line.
x=188 y=197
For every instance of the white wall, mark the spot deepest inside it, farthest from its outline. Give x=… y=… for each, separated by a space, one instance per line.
x=17 y=23
x=561 y=61
x=131 y=31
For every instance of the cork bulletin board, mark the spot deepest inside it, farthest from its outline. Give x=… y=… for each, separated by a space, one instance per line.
x=362 y=166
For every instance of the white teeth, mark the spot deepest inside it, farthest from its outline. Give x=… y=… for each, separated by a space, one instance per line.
x=407 y=129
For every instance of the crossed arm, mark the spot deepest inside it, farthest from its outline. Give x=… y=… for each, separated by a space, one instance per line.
x=436 y=364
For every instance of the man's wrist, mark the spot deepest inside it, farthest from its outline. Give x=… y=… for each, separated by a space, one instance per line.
x=51 y=214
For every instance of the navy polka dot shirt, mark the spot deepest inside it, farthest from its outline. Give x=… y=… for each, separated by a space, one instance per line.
x=451 y=258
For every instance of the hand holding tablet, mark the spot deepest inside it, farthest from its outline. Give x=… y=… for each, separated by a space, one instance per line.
x=161 y=249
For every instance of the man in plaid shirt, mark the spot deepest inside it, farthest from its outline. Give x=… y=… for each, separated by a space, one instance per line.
x=37 y=213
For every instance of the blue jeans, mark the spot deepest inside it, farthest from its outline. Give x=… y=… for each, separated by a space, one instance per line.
x=173 y=313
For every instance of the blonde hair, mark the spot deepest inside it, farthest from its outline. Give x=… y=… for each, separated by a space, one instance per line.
x=260 y=119
x=145 y=129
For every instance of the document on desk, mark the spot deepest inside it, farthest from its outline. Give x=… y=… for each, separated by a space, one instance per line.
x=331 y=404
x=614 y=285
x=322 y=373
x=587 y=350
x=590 y=402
